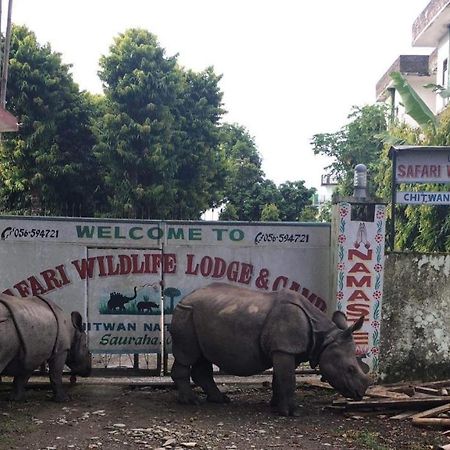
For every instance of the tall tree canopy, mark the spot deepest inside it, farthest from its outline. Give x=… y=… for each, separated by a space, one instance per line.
x=246 y=191
x=49 y=162
x=158 y=140
x=248 y=194
x=358 y=142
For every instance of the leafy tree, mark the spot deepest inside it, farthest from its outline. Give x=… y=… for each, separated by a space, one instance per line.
x=425 y=227
x=48 y=165
x=358 y=142
x=309 y=213
x=246 y=190
x=270 y=213
x=159 y=136
x=294 y=198
x=418 y=228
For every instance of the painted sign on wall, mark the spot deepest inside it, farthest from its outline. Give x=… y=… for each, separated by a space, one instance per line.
x=422 y=164
x=127 y=276
x=359 y=263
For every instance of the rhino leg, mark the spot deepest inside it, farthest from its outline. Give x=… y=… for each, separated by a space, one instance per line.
x=55 y=369
x=181 y=375
x=283 y=383
x=19 y=383
x=186 y=351
x=202 y=375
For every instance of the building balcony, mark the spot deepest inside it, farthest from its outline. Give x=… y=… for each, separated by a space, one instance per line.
x=432 y=24
x=409 y=66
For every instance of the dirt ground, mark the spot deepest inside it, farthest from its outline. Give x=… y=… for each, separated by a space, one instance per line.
x=128 y=414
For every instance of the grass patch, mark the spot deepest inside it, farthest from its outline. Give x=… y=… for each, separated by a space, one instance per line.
x=369 y=440
x=13 y=424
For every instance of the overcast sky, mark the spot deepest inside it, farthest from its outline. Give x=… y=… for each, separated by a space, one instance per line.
x=291 y=68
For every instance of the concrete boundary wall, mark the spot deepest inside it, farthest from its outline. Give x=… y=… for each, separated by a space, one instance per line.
x=415 y=334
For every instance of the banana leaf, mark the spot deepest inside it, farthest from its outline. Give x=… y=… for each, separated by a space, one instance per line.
x=415 y=107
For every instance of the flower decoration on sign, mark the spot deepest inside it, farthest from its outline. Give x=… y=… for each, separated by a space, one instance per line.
x=375 y=324
x=341 y=266
x=377 y=295
x=375 y=350
x=343 y=210
x=380 y=214
x=341 y=238
x=379 y=238
x=340 y=295
x=378 y=267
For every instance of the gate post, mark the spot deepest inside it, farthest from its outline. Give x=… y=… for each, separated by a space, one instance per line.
x=357 y=258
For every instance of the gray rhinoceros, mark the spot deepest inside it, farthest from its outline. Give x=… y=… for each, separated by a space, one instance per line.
x=35 y=330
x=245 y=332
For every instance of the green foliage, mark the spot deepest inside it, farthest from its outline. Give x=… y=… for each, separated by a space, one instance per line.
x=295 y=198
x=158 y=138
x=246 y=190
x=270 y=213
x=418 y=228
x=48 y=165
x=415 y=107
x=310 y=213
x=358 y=142
x=248 y=194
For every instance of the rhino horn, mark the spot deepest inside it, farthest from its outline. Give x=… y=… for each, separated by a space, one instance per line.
x=355 y=327
x=77 y=320
x=340 y=319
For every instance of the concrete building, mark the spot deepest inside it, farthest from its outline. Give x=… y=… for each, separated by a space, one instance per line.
x=429 y=30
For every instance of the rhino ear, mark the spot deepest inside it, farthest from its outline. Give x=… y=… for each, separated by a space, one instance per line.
x=340 y=319
x=77 y=320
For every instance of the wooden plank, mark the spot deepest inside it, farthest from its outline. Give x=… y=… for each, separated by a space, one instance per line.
x=401 y=387
x=382 y=392
x=427 y=390
x=443 y=447
x=409 y=403
x=432 y=412
x=403 y=415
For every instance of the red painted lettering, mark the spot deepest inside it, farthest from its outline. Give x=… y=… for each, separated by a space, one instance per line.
x=364 y=281
x=36 y=286
x=279 y=281
x=246 y=273
x=357 y=310
x=85 y=267
x=358 y=295
x=23 y=288
x=352 y=252
x=220 y=267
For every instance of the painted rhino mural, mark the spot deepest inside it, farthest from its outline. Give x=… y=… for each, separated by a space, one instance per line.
x=245 y=332
x=35 y=330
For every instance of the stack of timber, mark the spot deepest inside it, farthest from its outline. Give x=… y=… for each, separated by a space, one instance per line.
x=424 y=404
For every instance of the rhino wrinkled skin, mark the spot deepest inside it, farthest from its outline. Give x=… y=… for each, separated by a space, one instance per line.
x=245 y=332
x=34 y=331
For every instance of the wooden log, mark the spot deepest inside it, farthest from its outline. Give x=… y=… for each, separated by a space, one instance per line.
x=432 y=412
x=431 y=421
